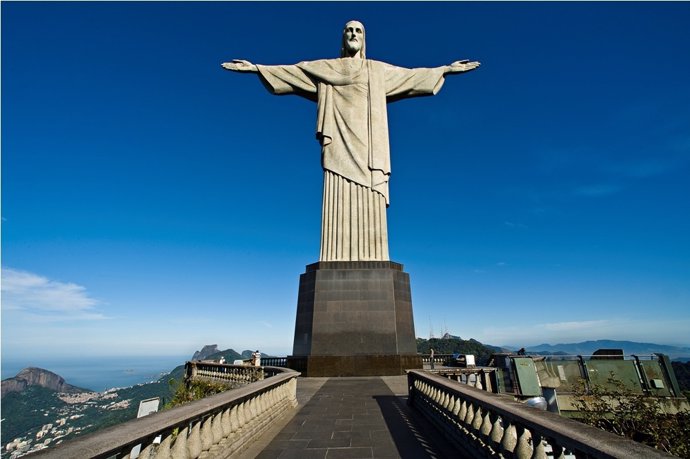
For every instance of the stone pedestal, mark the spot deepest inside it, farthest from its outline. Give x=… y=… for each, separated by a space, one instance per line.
x=354 y=319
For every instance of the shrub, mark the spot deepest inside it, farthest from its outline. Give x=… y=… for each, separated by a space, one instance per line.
x=635 y=416
x=193 y=390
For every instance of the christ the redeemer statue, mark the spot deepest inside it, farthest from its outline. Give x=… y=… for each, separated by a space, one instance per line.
x=352 y=126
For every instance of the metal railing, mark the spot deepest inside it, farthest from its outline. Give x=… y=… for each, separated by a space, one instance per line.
x=483 y=424
x=274 y=361
x=217 y=426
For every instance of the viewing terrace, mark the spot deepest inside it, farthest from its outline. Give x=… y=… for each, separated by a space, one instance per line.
x=279 y=415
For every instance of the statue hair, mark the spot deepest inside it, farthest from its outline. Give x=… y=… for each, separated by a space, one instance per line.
x=363 y=51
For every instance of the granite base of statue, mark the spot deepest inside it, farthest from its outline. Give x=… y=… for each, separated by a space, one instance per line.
x=354 y=318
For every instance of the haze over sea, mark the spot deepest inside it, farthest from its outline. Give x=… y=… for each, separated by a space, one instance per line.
x=99 y=373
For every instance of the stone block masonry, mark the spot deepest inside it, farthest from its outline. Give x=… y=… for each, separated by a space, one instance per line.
x=354 y=319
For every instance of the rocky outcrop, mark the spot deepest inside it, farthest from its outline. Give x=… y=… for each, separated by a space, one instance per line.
x=38 y=377
x=205 y=352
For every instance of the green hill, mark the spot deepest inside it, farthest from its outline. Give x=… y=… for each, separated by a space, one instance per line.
x=25 y=412
x=452 y=345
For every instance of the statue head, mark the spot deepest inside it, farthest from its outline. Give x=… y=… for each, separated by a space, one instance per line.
x=354 y=44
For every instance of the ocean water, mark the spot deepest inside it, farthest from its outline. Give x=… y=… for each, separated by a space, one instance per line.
x=99 y=373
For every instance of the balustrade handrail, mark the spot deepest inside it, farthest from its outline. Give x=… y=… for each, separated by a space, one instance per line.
x=114 y=440
x=581 y=439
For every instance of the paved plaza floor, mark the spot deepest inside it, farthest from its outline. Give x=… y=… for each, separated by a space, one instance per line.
x=365 y=417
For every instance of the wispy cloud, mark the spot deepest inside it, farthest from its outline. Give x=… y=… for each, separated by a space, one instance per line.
x=41 y=299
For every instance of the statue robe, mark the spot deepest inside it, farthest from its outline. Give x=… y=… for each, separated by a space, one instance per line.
x=352 y=127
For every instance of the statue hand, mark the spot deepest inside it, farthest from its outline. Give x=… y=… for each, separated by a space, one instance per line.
x=239 y=65
x=462 y=66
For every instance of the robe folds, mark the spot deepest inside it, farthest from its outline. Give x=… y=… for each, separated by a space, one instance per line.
x=352 y=127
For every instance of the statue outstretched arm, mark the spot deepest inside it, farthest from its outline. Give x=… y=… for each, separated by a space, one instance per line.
x=240 y=65
x=464 y=65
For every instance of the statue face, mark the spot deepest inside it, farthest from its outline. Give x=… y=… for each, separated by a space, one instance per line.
x=353 y=37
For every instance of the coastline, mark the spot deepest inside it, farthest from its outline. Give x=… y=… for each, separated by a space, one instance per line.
x=99 y=373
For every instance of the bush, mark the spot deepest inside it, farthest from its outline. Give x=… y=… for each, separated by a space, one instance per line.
x=635 y=416
x=193 y=390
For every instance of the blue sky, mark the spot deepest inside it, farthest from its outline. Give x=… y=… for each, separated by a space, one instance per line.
x=153 y=202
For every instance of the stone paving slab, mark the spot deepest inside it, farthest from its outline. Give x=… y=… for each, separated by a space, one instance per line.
x=363 y=417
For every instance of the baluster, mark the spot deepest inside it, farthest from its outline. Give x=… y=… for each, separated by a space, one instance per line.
x=217 y=427
x=252 y=410
x=163 y=450
x=226 y=423
x=281 y=393
x=263 y=404
x=179 y=449
x=293 y=392
x=206 y=434
x=234 y=421
x=272 y=399
x=266 y=406
x=538 y=451
x=485 y=429
x=469 y=415
x=428 y=395
x=277 y=400
x=478 y=382
x=259 y=407
x=456 y=407
x=496 y=431
x=439 y=400
x=241 y=416
x=445 y=401
x=509 y=439
x=463 y=412
x=478 y=419
x=194 y=440
x=523 y=449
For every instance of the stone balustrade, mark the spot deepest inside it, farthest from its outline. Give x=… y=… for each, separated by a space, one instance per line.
x=232 y=375
x=439 y=359
x=484 y=424
x=219 y=426
x=483 y=378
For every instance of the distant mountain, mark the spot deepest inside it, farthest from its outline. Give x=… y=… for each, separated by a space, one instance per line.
x=38 y=377
x=629 y=347
x=449 y=336
x=451 y=345
x=211 y=352
x=205 y=352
